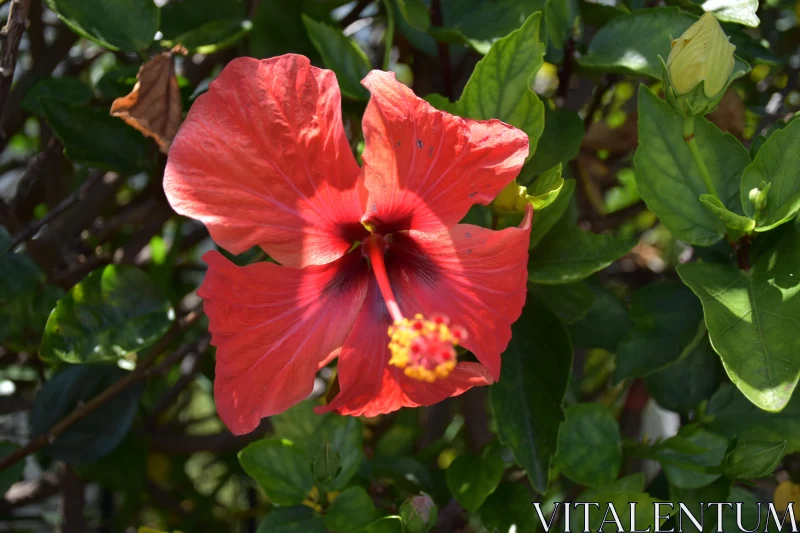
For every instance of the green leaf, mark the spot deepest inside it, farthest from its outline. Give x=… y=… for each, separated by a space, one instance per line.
x=471 y=479
x=341 y=55
x=181 y=16
x=280 y=467
x=98 y=433
x=388 y=524
x=110 y=314
x=352 y=510
x=631 y=43
x=560 y=141
x=684 y=384
x=64 y=90
x=605 y=324
x=415 y=13
x=644 y=518
x=326 y=464
x=569 y=301
x=127 y=25
x=501 y=85
x=589 y=445
x=752 y=320
x=667 y=176
x=754 y=459
x=297 y=519
x=509 y=509
x=527 y=401
x=546 y=188
x=544 y=221
x=732 y=415
x=481 y=23
x=442 y=103
x=693 y=458
x=570 y=254
x=96 y=139
x=278 y=29
x=665 y=318
x=695 y=501
x=777 y=162
x=739 y=11
x=730 y=219
x=214 y=35
x=13 y=473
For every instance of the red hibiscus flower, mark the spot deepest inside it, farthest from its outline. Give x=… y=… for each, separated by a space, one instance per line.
x=262 y=159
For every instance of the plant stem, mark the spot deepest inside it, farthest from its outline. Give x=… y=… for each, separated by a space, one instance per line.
x=388 y=36
x=691 y=142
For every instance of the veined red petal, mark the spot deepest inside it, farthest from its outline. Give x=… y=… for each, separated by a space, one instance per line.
x=478 y=277
x=370 y=386
x=274 y=327
x=424 y=168
x=262 y=159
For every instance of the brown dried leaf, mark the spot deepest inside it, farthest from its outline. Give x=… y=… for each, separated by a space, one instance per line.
x=154 y=105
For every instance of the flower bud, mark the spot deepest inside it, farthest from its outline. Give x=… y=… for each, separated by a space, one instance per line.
x=419 y=514
x=699 y=68
x=758 y=195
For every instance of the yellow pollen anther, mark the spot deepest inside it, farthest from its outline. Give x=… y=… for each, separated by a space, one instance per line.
x=425 y=349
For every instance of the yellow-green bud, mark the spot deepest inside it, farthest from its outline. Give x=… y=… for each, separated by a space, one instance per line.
x=758 y=195
x=702 y=53
x=699 y=68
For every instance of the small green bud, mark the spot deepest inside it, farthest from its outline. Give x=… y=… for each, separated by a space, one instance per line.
x=326 y=464
x=699 y=68
x=512 y=199
x=758 y=195
x=419 y=514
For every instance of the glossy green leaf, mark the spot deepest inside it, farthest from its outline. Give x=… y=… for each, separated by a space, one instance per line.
x=127 y=25
x=280 y=467
x=666 y=325
x=388 y=524
x=682 y=385
x=98 y=433
x=667 y=176
x=527 y=401
x=13 y=473
x=693 y=458
x=568 y=254
x=110 y=314
x=352 y=510
x=606 y=322
x=64 y=90
x=739 y=11
x=297 y=519
x=631 y=43
x=589 y=445
x=342 y=55
x=214 y=35
x=559 y=143
x=752 y=320
x=96 y=139
x=569 y=301
x=777 y=162
x=733 y=415
x=471 y=479
x=731 y=220
x=544 y=221
x=501 y=84
x=754 y=459
x=509 y=509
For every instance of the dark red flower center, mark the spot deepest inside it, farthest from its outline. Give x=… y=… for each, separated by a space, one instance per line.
x=423 y=348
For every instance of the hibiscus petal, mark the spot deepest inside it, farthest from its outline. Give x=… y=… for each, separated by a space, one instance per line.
x=262 y=159
x=424 y=168
x=477 y=277
x=274 y=327
x=369 y=386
